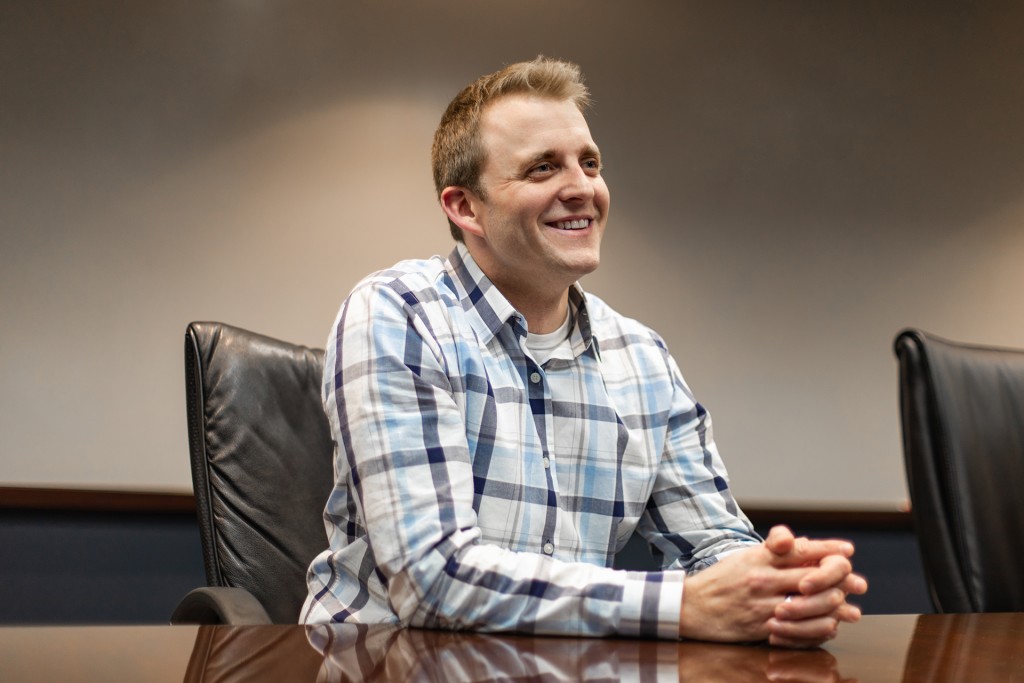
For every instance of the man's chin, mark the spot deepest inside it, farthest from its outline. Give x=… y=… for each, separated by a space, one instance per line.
x=582 y=267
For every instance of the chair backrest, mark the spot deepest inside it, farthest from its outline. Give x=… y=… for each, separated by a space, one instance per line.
x=262 y=466
x=962 y=409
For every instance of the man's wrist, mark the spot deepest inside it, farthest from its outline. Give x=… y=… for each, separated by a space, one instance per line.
x=650 y=604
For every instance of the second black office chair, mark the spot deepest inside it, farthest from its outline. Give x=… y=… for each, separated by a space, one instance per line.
x=962 y=409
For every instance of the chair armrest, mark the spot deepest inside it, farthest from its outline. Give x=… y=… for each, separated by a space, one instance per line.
x=220 y=605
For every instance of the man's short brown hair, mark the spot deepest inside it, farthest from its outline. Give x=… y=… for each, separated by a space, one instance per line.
x=457 y=155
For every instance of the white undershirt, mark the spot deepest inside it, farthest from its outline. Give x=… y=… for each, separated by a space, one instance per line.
x=542 y=346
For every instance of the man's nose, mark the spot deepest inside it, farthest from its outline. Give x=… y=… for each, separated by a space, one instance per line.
x=577 y=184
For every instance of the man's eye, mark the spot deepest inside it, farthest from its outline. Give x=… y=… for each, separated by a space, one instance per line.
x=543 y=168
x=592 y=164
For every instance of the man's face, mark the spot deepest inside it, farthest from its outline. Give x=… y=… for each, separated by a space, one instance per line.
x=546 y=203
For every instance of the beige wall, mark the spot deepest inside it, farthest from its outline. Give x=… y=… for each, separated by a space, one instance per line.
x=792 y=183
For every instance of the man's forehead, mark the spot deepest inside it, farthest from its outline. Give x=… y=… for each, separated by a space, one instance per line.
x=529 y=119
x=531 y=106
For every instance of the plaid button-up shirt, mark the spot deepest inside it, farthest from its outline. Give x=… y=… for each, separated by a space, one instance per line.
x=475 y=489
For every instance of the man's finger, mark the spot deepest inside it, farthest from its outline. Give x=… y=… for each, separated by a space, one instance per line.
x=818 y=629
x=854 y=584
x=806 y=551
x=787 y=580
x=851 y=614
x=832 y=602
x=780 y=540
x=820 y=604
x=832 y=571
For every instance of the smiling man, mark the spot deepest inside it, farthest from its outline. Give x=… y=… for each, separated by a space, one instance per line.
x=501 y=434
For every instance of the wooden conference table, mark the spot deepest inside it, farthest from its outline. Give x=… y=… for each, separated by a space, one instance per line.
x=965 y=647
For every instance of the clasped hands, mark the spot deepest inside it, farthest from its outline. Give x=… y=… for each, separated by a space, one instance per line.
x=743 y=597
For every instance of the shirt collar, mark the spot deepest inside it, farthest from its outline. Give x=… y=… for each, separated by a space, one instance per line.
x=582 y=336
x=489 y=310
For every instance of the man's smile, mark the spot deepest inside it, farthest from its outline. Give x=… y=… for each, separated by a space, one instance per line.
x=575 y=224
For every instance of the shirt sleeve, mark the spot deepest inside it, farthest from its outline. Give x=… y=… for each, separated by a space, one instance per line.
x=404 y=456
x=692 y=517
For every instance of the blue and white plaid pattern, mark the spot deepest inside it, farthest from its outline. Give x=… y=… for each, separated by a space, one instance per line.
x=475 y=489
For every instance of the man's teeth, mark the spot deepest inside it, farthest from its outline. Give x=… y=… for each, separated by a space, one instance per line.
x=573 y=225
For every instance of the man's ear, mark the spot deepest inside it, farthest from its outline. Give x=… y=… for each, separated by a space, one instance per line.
x=463 y=208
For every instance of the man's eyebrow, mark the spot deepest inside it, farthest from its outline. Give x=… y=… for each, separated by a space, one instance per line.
x=549 y=154
x=546 y=155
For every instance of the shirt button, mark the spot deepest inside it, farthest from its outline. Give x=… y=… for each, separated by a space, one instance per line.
x=549 y=548
x=535 y=377
x=547 y=463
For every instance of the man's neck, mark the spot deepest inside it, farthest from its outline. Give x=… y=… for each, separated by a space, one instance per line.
x=542 y=317
x=542 y=302
x=544 y=308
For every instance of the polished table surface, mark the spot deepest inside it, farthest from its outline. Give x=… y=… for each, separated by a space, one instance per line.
x=965 y=647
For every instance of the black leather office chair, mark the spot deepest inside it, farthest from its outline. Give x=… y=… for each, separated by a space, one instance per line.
x=262 y=470
x=962 y=409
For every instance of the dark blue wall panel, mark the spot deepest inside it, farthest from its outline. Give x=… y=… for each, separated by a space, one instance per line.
x=92 y=568
x=83 y=568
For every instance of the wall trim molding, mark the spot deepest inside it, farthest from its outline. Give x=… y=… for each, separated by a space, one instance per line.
x=40 y=499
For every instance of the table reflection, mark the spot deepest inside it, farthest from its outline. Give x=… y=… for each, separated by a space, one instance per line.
x=937 y=647
x=354 y=654
x=940 y=648
x=966 y=647
x=252 y=653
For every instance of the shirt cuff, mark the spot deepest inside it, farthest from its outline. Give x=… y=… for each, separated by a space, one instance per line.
x=651 y=602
